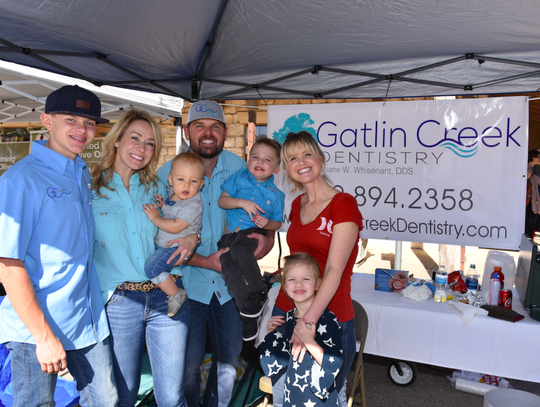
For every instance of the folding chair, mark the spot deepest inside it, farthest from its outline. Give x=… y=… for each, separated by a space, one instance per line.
x=360 y=330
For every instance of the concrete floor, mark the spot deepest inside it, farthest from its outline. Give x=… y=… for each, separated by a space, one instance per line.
x=431 y=388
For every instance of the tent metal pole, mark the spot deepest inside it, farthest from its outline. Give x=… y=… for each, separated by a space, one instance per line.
x=28 y=52
x=397 y=258
x=507 y=61
x=208 y=47
x=356 y=73
x=430 y=66
x=507 y=79
x=262 y=85
x=446 y=85
x=63 y=68
x=104 y=58
x=356 y=85
x=144 y=81
x=6 y=85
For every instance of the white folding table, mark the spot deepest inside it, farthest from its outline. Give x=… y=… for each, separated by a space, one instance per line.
x=433 y=333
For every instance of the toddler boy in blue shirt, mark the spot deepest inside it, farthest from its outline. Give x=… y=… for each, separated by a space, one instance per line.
x=254 y=205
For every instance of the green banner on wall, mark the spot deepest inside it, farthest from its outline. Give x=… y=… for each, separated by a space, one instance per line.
x=92 y=153
x=11 y=152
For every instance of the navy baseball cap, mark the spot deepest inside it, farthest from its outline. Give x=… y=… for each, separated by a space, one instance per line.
x=206 y=109
x=75 y=101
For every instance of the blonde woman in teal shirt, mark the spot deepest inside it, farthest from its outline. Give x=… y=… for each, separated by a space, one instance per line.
x=122 y=183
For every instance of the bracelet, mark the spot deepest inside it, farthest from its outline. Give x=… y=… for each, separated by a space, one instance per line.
x=198 y=237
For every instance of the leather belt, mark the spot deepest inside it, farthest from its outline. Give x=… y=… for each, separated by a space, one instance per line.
x=144 y=287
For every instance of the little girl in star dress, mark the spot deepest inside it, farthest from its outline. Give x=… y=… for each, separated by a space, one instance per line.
x=309 y=377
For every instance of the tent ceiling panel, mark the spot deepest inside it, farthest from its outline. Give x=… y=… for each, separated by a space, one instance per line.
x=201 y=49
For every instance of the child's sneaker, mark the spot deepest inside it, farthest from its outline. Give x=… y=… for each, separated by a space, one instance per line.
x=175 y=302
x=254 y=305
x=250 y=328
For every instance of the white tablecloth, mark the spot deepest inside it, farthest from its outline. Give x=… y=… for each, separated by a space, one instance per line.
x=433 y=333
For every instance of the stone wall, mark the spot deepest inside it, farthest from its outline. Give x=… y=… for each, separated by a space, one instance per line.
x=168 y=141
x=237 y=117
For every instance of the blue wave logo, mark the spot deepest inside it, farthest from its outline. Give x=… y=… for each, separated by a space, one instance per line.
x=57 y=192
x=459 y=149
x=204 y=109
x=294 y=124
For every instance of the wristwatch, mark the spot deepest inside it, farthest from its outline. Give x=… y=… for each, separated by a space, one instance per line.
x=198 y=237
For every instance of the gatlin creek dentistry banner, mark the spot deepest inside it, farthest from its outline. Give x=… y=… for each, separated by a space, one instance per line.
x=438 y=171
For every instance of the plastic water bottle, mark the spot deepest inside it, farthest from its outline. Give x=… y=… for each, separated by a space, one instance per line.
x=495 y=288
x=471 y=279
x=441 y=280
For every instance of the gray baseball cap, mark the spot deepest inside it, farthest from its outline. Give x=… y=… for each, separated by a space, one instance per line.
x=206 y=109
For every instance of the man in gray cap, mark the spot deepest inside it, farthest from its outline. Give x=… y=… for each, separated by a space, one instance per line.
x=209 y=300
x=53 y=316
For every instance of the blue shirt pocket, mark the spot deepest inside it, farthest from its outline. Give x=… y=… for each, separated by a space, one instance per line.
x=269 y=199
x=106 y=225
x=62 y=232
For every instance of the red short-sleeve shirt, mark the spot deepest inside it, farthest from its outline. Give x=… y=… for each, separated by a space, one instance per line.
x=315 y=237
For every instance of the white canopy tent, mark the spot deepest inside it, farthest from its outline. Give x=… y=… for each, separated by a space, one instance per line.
x=23 y=92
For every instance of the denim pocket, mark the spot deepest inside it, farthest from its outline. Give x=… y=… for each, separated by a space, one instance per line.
x=113 y=299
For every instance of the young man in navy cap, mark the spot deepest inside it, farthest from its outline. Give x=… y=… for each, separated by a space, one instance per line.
x=53 y=316
x=208 y=297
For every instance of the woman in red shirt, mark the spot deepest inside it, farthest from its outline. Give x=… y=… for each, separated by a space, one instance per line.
x=324 y=223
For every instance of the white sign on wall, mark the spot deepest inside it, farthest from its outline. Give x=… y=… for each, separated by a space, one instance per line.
x=449 y=171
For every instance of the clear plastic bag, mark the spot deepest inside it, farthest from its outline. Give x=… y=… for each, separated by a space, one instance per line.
x=419 y=290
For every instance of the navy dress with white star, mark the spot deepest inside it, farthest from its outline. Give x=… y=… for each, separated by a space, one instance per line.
x=307 y=384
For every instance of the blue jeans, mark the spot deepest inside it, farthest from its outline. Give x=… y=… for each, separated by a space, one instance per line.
x=226 y=336
x=91 y=367
x=136 y=318
x=348 y=342
x=156 y=268
x=349 y=350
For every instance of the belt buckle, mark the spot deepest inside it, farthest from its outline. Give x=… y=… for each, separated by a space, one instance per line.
x=146 y=286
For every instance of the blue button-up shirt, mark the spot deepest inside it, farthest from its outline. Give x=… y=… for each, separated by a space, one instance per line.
x=203 y=283
x=46 y=221
x=124 y=236
x=243 y=185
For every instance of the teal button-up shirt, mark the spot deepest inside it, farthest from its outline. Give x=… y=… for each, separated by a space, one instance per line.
x=124 y=237
x=202 y=283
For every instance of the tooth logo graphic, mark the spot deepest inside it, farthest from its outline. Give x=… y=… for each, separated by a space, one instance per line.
x=204 y=108
x=326 y=225
x=460 y=150
x=294 y=124
x=57 y=192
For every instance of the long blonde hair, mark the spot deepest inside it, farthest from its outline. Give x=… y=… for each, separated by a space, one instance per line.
x=290 y=148
x=102 y=172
